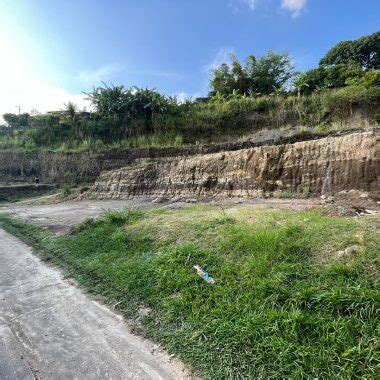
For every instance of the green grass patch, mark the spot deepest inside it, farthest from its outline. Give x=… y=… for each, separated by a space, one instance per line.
x=13 y=198
x=283 y=305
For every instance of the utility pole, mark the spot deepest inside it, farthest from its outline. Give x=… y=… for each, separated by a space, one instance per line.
x=19 y=109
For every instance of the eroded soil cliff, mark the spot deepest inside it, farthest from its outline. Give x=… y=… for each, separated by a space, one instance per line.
x=84 y=167
x=324 y=166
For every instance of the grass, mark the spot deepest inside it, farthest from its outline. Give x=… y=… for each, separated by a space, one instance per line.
x=157 y=141
x=345 y=108
x=12 y=198
x=283 y=305
x=16 y=198
x=286 y=194
x=92 y=144
x=65 y=191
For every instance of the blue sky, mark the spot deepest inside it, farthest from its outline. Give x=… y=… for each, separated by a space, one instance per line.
x=52 y=50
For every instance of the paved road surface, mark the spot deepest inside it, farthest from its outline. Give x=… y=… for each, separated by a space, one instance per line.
x=49 y=329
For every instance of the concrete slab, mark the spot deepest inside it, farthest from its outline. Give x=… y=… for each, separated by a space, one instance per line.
x=13 y=364
x=52 y=330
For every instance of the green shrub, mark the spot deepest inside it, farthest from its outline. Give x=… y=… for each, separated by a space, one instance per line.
x=66 y=191
x=119 y=218
x=306 y=192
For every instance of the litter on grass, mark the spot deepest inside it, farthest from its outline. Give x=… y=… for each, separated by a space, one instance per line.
x=202 y=273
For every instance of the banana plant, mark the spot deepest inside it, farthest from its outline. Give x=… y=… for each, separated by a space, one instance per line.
x=300 y=83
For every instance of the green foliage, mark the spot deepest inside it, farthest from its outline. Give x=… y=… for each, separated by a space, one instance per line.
x=70 y=115
x=120 y=218
x=345 y=101
x=301 y=83
x=242 y=115
x=338 y=75
x=306 y=192
x=330 y=77
x=108 y=101
x=66 y=191
x=344 y=64
x=134 y=103
x=3 y=130
x=276 y=310
x=364 y=52
x=313 y=80
x=17 y=121
x=269 y=73
x=46 y=121
x=264 y=75
x=229 y=79
x=220 y=118
x=371 y=78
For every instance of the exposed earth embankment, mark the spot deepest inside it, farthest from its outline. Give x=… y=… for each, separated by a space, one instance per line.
x=322 y=166
x=17 y=165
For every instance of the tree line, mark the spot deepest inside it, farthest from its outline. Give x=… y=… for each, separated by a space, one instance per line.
x=120 y=112
x=348 y=62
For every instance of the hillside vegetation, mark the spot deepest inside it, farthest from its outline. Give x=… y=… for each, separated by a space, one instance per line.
x=343 y=92
x=288 y=301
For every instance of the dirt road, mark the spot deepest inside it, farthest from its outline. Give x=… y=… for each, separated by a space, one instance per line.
x=59 y=217
x=49 y=329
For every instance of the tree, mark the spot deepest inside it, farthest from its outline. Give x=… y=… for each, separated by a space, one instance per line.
x=120 y=103
x=364 y=52
x=340 y=74
x=70 y=115
x=301 y=83
x=268 y=74
x=108 y=101
x=316 y=79
x=229 y=78
x=372 y=78
x=143 y=104
x=16 y=122
x=328 y=77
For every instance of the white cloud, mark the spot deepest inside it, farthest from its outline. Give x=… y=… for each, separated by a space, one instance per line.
x=98 y=75
x=238 y=5
x=294 y=6
x=251 y=4
x=183 y=96
x=223 y=55
x=21 y=85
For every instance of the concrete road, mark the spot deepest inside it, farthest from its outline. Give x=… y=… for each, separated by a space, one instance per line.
x=49 y=329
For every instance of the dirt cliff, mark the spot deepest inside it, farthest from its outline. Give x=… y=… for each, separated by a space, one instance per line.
x=84 y=167
x=320 y=166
